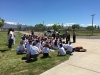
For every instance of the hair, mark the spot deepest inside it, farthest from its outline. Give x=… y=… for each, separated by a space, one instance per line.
x=13 y=30
x=34 y=43
x=60 y=45
x=10 y=29
x=30 y=41
x=70 y=42
x=46 y=45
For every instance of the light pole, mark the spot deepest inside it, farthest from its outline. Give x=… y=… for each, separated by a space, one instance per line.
x=43 y=22
x=92 y=22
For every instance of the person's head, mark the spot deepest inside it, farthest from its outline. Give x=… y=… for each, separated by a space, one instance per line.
x=70 y=42
x=10 y=29
x=22 y=42
x=63 y=42
x=30 y=41
x=37 y=41
x=13 y=30
x=34 y=43
x=60 y=45
x=46 y=45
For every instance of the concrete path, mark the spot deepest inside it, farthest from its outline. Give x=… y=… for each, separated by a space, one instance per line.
x=81 y=63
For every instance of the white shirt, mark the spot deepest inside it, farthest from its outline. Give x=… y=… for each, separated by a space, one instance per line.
x=21 y=47
x=62 y=51
x=64 y=45
x=34 y=50
x=46 y=50
x=69 y=48
x=11 y=37
x=26 y=41
x=48 y=40
x=38 y=45
x=28 y=48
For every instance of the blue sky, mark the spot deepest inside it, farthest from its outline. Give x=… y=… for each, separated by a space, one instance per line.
x=33 y=12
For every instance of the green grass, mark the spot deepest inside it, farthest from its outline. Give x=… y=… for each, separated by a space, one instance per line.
x=84 y=33
x=12 y=64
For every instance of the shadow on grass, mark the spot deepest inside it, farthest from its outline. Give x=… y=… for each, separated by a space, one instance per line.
x=30 y=60
x=45 y=57
x=3 y=50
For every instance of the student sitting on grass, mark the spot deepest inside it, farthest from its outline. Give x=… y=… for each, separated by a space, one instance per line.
x=46 y=51
x=69 y=48
x=33 y=52
x=55 y=44
x=21 y=49
x=61 y=50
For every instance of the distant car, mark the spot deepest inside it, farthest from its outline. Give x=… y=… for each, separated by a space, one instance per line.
x=49 y=32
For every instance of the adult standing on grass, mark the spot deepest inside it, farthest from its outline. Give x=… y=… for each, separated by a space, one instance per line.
x=74 y=36
x=10 y=38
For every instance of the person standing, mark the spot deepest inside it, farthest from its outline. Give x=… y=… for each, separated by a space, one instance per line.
x=54 y=34
x=13 y=36
x=67 y=36
x=74 y=36
x=10 y=39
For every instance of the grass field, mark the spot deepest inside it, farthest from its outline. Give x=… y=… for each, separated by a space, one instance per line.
x=84 y=33
x=12 y=64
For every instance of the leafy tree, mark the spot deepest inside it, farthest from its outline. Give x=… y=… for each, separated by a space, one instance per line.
x=1 y=23
x=56 y=27
x=89 y=28
x=40 y=27
x=98 y=27
x=19 y=27
x=95 y=27
x=62 y=26
x=76 y=26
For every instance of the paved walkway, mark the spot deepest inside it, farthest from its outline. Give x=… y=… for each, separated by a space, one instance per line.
x=81 y=63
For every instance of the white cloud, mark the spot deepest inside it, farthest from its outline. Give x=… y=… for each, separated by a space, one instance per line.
x=49 y=24
x=14 y=23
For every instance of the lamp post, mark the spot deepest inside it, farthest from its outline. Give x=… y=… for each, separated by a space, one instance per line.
x=43 y=22
x=92 y=22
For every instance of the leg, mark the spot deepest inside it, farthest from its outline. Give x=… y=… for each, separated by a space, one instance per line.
x=66 y=40
x=10 y=43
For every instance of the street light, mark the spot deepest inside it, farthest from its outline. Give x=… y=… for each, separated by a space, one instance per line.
x=43 y=22
x=92 y=22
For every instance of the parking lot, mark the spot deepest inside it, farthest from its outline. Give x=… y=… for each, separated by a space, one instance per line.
x=81 y=63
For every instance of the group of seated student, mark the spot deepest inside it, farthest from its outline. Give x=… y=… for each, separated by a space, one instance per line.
x=33 y=45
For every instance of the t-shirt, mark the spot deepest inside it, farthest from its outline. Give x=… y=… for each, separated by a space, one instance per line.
x=46 y=50
x=69 y=48
x=64 y=45
x=34 y=50
x=11 y=37
x=62 y=51
x=28 y=48
x=21 y=48
x=38 y=45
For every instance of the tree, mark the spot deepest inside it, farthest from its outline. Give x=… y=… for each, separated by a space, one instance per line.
x=76 y=26
x=95 y=26
x=1 y=23
x=56 y=27
x=89 y=27
x=98 y=27
x=40 y=27
x=19 y=27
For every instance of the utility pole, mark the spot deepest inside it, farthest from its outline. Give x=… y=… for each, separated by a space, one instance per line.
x=92 y=23
x=43 y=22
